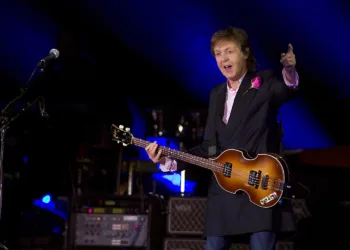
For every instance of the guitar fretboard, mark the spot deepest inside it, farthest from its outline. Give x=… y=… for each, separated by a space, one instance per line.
x=182 y=156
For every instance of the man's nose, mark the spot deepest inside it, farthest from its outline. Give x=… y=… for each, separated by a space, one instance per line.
x=224 y=58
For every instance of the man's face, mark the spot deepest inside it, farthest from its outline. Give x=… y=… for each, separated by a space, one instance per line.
x=230 y=60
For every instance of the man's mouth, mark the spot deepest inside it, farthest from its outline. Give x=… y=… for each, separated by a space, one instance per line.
x=227 y=66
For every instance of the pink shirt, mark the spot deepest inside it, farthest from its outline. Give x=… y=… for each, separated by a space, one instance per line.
x=171 y=165
x=230 y=98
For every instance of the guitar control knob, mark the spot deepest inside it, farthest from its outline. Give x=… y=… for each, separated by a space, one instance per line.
x=121 y=126
x=127 y=129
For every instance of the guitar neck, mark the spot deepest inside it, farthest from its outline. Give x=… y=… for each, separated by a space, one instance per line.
x=182 y=156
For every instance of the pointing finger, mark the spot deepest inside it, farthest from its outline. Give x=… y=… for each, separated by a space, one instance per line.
x=290 y=48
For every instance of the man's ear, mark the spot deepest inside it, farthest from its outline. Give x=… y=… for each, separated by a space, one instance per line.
x=246 y=53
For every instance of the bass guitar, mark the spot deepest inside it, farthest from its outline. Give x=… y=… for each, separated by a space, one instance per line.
x=264 y=178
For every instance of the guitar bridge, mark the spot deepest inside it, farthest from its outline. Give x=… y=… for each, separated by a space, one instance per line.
x=227 y=169
x=254 y=178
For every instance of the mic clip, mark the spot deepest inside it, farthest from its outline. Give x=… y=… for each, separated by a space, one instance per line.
x=41 y=104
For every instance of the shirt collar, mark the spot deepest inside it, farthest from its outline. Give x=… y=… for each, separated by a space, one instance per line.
x=239 y=83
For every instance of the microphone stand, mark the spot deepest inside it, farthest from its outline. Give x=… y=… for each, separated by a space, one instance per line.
x=6 y=118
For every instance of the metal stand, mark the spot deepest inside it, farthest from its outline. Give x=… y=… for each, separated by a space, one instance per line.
x=7 y=117
x=3 y=131
x=119 y=170
x=130 y=179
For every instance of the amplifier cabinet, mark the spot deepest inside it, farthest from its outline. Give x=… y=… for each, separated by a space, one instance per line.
x=186 y=215
x=184 y=244
x=195 y=244
x=199 y=244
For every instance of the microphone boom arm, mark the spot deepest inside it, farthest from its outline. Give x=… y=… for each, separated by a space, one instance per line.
x=7 y=117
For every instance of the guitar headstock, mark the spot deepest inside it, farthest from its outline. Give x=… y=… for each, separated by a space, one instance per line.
x=121 y=135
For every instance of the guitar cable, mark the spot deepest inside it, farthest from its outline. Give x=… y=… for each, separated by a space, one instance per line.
x=279 y=121
x=3 y=247
x=306 y=188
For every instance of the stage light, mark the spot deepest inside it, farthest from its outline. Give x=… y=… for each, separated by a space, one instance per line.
x=46 y=199
x=182 y=183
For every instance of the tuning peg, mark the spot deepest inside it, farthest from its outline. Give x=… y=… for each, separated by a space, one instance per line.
x=121 y=126
x=127 y=129
x=125 y=144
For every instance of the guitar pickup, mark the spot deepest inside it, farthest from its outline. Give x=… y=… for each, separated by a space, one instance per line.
x=227 y=169
x=265 y=182
x=254 y=178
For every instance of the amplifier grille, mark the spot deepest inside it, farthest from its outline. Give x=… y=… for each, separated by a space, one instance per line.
x=186 y=215
x=199 y=244
x=195 y=244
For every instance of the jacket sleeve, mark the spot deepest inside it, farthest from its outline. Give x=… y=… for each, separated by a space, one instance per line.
x=283 y=91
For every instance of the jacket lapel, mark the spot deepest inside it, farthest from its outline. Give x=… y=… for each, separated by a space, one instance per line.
x=221 y=100
x=241 y=103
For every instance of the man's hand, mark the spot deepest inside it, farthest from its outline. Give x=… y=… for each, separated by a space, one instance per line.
x=288 y=61
x=155 y=156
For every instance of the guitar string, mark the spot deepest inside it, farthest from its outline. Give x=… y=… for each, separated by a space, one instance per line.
x=217 y=166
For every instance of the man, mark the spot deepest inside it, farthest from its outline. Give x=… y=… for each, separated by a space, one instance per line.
x=242 y=115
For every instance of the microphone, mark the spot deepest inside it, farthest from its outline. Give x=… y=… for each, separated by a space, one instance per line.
x=54 y=54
